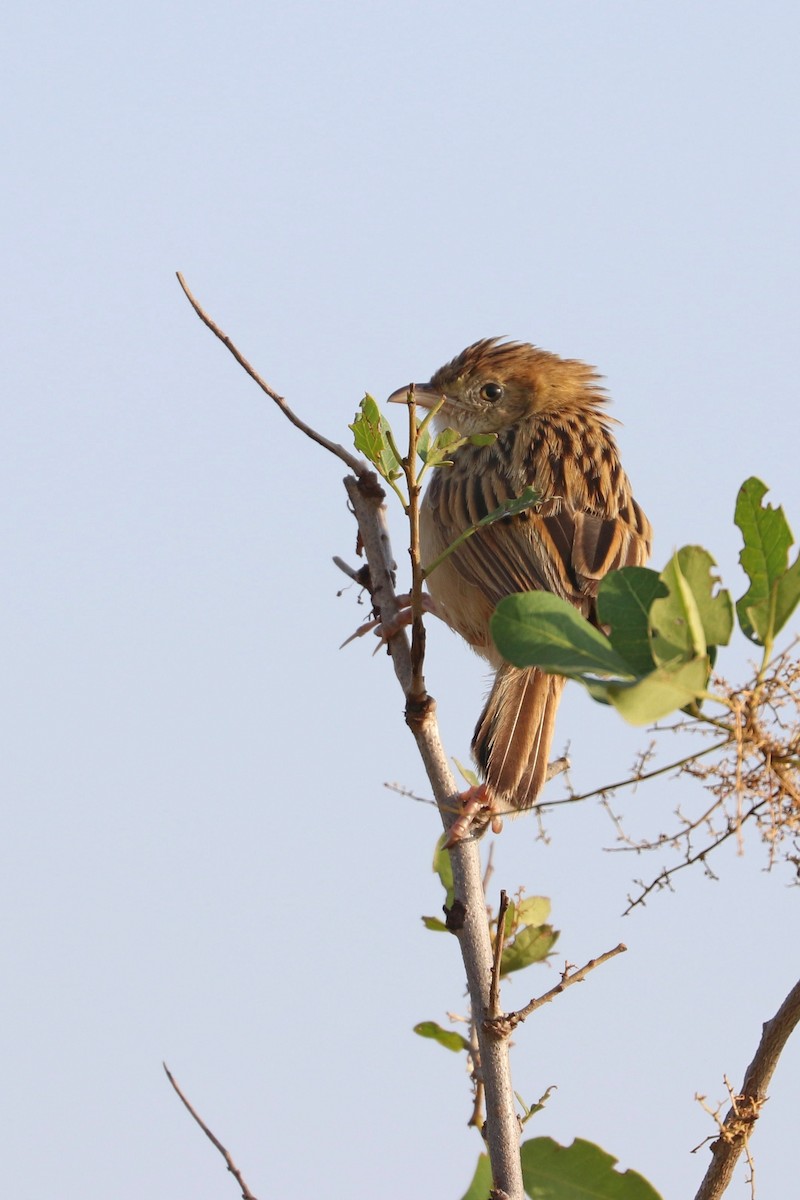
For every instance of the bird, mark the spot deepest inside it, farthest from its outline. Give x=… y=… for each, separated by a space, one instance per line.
x=552 y=433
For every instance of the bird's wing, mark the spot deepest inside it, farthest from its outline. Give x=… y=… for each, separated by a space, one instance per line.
x=555 y=549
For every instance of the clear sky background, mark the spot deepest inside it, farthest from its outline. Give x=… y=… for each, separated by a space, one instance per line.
x=200 y=862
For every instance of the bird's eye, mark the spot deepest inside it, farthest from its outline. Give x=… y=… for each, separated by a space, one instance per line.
x=491 y=392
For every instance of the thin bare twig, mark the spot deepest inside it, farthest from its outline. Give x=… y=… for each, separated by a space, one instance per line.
x=355 y=464
x=499 y=942
x=736 y=1130
x=234 y=1170
x=511 y=1020
x=632 y=780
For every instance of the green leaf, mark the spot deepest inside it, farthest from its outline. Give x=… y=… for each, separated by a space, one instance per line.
x=538 y=629
x=581 y=1171
x=788 y=595
x=530 y=1110
x=481 y=1184
x=533 y=910
x=482 y=439
x=532 y=944
x=370 y=439
x=774 y=592
x=511 y=508
x=623 y=604
x=445 y=1037
x=435 y=925
x=715 y=607
x=676 y=626
x=660 y=693
x=467 y=774
x=439 y=452
x=444 y=869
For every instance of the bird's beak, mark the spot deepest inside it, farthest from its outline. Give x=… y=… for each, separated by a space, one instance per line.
x=424 y=395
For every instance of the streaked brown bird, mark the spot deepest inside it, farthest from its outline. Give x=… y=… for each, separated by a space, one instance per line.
x=553 y=435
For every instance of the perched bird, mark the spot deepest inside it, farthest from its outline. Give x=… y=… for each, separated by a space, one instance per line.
x=553 y=435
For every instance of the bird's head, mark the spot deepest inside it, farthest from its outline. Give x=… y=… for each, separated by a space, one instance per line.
x=495 y=384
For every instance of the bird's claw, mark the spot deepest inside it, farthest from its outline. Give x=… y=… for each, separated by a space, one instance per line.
x=477 y=811
x=386 y=630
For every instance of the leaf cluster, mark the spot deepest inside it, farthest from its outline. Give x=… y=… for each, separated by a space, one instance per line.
x=659 y=631
x=373 y=437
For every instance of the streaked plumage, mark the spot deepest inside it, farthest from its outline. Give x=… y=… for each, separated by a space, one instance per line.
x=553 y=434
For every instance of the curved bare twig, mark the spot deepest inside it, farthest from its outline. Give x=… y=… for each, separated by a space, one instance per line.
x=234 y=1170
x=355 y=464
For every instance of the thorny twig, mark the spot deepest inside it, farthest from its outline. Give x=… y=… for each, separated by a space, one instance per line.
x=737 y=1127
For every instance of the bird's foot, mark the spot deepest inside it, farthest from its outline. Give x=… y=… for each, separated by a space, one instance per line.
x=385 y=631
x=477 y=811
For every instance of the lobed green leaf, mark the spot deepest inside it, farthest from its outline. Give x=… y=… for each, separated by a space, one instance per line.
x=676 y=627
x=370 y=439
x=764 y=557
x=581 y=1171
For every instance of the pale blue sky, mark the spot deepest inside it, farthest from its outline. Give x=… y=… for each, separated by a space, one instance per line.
x=200 y=862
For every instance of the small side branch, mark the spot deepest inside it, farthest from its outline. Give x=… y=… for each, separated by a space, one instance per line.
x=509 y=1021
x=499 y=941
x=735 y=1131
x=231 y=1165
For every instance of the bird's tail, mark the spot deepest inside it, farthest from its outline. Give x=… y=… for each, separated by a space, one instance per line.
x=512 y=739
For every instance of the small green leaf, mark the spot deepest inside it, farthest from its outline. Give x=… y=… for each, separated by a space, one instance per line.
x=534 y=910
x=508 y=924
x=660 y=693
x=538 y=629
x=530 y=1110
x=511 y=508
x=482 y=439
x=445 y=1037
x=767 y=538
x=481 y=1184
x=444 y=869
x=623 y=604
x=435 y=925
x=581 y=1171
x=532 y=944
x=370 y=439
x=439 y=452
x=467 y=774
